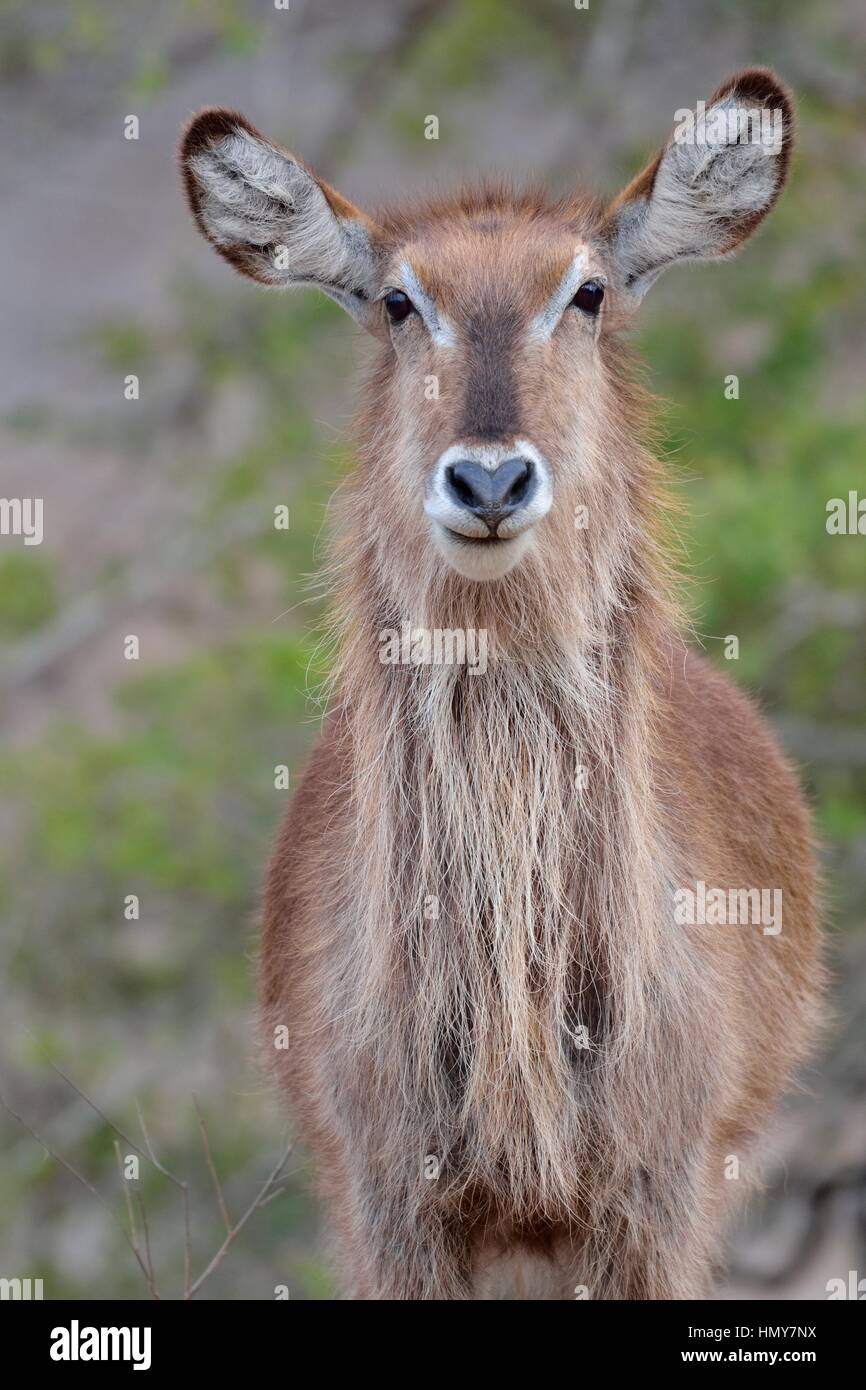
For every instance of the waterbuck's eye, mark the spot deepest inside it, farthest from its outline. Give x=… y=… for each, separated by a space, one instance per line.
x=398 y=305
x=589 y=297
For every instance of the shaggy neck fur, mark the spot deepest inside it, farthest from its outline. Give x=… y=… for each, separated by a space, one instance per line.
x=506 y=962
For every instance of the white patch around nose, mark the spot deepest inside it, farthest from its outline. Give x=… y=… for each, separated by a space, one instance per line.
x=464 y=539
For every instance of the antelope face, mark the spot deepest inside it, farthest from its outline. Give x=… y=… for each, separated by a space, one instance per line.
x=494 y=316
x=497 y=410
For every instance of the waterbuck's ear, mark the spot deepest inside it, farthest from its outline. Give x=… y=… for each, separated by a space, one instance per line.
x=710 y=186
x=272 y=218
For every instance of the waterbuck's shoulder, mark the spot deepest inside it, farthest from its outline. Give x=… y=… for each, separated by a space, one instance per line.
x=721 y=768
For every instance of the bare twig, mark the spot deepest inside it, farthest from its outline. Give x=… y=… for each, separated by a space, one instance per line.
x=143 y=1256
x=133 y=1234
x=187 y=1224
x=227 y=1221
x=95 y=1108
x=160 y=1167
x=144 y=1260
x=64 y=1163
x=277 y=1192
x=257 y=1203
x=147 y=1255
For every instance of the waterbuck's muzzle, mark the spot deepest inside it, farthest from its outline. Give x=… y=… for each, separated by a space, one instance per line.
x=491 y=494
x=483 y=500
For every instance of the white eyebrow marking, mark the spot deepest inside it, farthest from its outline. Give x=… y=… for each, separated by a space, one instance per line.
x=440 y=329
x=544 y=323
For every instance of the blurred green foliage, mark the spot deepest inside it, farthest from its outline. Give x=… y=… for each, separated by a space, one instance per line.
x=27 y=593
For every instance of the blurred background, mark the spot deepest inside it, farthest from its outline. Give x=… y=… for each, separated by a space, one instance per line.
x=155 y=777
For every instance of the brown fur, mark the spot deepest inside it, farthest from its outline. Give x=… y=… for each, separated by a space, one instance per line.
x=453 y=1037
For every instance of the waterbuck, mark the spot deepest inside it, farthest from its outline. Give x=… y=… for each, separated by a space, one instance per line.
x=519 y=1064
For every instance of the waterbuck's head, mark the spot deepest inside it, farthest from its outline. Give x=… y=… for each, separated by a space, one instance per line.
x=499 y=430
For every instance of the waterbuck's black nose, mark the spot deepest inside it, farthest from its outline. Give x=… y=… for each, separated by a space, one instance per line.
x=491 y=494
